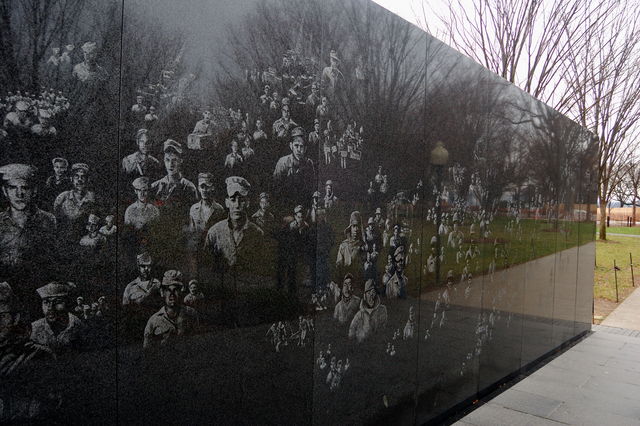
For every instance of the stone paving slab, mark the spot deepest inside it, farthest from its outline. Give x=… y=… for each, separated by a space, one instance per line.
x=626 y=315
x=595 y=382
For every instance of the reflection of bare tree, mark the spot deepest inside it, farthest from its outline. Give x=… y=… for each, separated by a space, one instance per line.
x=383 y=95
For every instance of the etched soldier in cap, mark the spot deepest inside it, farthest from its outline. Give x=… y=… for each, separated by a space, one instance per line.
x=173 y=320
x=282 y=127
x=204 y=126
x=207 y=211
x=93 y=240
x=331 y=75
x=58 y=182
x=20 y=360
x=26 y=232
x=234 y=159
x=76 y=203
x=349 y=303
x=372 y=316
x=89 y=70
x=264 y=218
x=59 y=330
x=141 y=162
x=139 y=109
x=313 y=100
x=144 y=290
x=351 y=251
x=330 y=198
x=294 y=174
x=235 y=243
x=174 y=191
x=195 y=296
x=398 y=282
x=142 y=212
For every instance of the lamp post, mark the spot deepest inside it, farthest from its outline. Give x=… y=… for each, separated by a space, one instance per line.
x=439 y=158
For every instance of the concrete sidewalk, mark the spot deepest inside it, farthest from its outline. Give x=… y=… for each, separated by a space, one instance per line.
x=627 y=314
x=595 y=382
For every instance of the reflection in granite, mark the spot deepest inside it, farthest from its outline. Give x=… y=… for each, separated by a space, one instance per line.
x=311 y=213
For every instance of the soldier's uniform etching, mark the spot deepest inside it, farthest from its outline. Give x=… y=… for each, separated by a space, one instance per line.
x=141 y=212
x=141 y=162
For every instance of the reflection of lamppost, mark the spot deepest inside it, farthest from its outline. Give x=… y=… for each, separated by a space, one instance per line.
x=439 y=158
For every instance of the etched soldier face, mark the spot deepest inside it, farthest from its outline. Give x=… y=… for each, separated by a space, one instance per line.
x=171 y=295
x=400 y=262
x=285 y=112
x=264 y=203
x=92 y=227
x=55 y=309
x=143 y=194
x=7 y=321
x=298 y=217
x=354 y=231
x=258 y=124
x=144 y=271
x=79 y=181
x=237 y=205
x=347 y=287
x=206 y=116
x=139 y=100
x=143 y=144
x=370 y=297
x=193 y=288
x=20 y=193
x=207 y=190
x=325 y=101
x=234 y=146
x=298 y=148
x=90 y=56
x=172 y=163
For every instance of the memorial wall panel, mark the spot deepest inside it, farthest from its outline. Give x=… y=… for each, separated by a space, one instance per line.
x=291 y=212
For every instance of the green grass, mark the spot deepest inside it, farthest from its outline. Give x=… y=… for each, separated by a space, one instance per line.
x=624 y=230
x=618 y=249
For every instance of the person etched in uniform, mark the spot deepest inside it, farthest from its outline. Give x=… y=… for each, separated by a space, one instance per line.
x=207 y=211
x=372 y=316
x=18 y=119
x=330 y=198
x=398 y=282
x=235 y=243
x=173 y=320
x=141 y=162
x=139 y=109
x=315 y=137
x=265 y=98
x=173 y=192
x=331 y=75
x=378 y=219
x=151 y=117
x=94 y=241
x=59 y=330
x=349 y=303
x=57 y=183
x=322 y=111
x=195 y=296
x=109 y=228
x=144 y=290
x=44 y=127
x=351 y=250
x=234 y=159
x=313 y=100
x=21 y=359
x=294 y=174
x=282 y=127
x=259 y=135
x=264 y=218
x=141 y=213
x=89 y=70
x=372 y=234
x=204 y=126
x=27 y=234
x=73 y=205
x=247 y=152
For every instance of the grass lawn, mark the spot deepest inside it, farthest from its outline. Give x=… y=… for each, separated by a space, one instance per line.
x=618 y=249
x=635 y=230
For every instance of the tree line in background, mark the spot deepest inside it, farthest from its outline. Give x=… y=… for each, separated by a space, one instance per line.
x=580 y=57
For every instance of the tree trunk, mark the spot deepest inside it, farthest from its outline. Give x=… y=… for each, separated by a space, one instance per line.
x=633 y=210
x=603 y=224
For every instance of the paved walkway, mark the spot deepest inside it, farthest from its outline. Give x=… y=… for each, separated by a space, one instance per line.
x=627 y=314
x=595 y=382
x=624 y=235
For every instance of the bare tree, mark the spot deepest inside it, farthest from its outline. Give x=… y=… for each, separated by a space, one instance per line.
x=604 y=79
x=527 y=42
